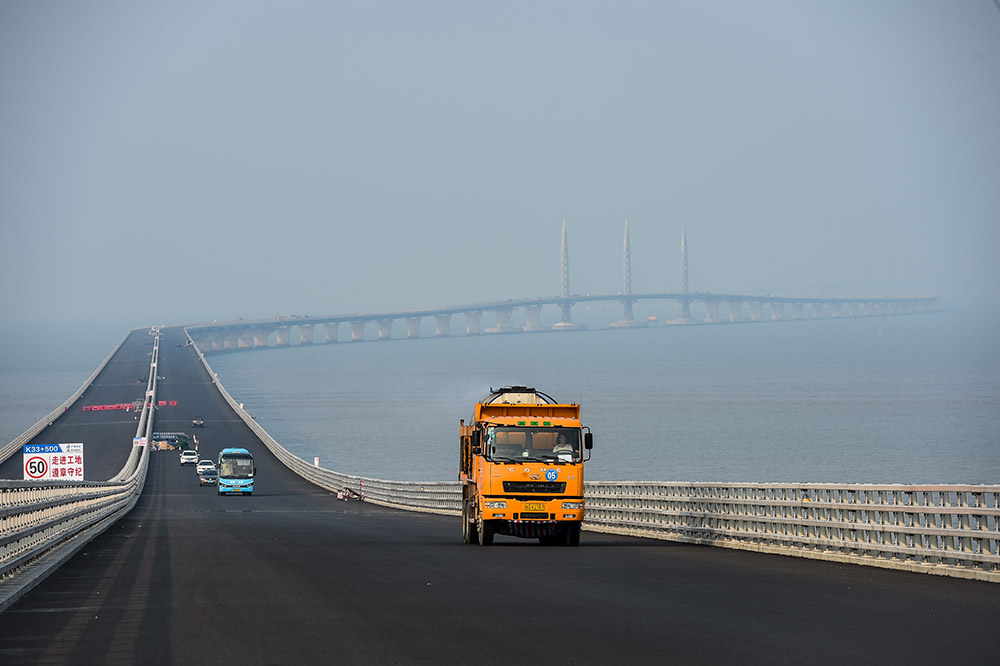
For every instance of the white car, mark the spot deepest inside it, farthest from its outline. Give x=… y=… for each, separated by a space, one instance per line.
x=205 y=464
x=189 y=457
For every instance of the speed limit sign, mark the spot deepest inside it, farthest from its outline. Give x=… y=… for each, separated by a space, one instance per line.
x=35 y=467
x=44 y=462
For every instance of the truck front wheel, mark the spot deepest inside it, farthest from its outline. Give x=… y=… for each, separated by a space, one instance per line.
x=485 y=532
x=468 y=522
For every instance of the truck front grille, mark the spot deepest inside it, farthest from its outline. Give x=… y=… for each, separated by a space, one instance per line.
x=550 y=487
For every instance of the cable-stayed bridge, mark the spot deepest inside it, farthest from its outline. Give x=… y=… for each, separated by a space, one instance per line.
x=710 y=308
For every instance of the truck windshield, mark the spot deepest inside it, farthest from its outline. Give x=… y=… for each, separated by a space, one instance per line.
x=505 y=443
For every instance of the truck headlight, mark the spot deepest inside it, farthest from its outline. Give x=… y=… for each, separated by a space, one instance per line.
x=572 y=506
x=500 y=504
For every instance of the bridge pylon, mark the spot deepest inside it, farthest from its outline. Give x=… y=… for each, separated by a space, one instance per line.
x=566 y=322
x=629 y=318
x=686 y=317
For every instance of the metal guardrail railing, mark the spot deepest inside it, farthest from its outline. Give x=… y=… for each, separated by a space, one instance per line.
x=951 y=530
x=939 y=529
x=43 y=523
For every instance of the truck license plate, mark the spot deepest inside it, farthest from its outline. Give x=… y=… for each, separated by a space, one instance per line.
x=534 y=506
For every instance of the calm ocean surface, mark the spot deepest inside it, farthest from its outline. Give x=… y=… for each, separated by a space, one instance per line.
x=905 y=399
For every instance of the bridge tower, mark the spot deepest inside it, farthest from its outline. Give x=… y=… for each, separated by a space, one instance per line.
x=685 y=302
x=684 y=257
x=564 y=263
x=685 y=317
x=629 y=319
x=567 y=321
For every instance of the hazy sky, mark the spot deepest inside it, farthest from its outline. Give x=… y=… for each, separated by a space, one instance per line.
x=188 y=161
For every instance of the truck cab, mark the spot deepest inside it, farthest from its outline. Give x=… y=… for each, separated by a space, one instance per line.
x=521 y=468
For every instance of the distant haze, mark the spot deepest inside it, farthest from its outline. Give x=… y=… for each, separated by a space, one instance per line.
x=189 y=161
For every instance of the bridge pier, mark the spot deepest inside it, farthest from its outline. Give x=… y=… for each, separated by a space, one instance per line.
x=244 y=340
x=628 y=320
x=211 y=342
x=283 y=336
x=260 y=337
x=472 y=322
x=685 y=309
x=566 y=321
x=836 y=310
x=358 y=330
x=883 y=308
x=777 y=311
x=756 y=310
x=413 y=327
x=307 y=333
x=384 y=329
x=713 y=311
x=735 y=310
x=684 y=318
x=442 y=325
x=818 y=310
x=534 y=315
x=231 y=342
x=797 y=309
x=330 y=331
x=628 y=314
x=503 y=321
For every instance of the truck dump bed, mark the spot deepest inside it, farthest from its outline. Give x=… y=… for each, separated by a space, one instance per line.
x=486 y=412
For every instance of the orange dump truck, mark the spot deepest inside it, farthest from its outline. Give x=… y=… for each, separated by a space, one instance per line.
x=522 y=468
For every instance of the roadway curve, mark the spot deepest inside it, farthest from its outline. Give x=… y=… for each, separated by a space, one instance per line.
x=291 y=575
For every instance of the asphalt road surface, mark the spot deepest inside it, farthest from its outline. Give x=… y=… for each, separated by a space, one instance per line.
x=292 y=575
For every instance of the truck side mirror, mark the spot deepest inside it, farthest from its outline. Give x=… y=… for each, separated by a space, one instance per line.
x=588 y=440
x=476 y=440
